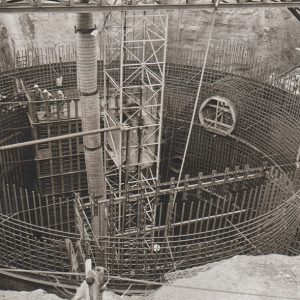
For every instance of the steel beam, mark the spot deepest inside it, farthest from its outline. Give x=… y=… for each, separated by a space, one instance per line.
x=191 y=184
x=84 y=8
x=60 y=137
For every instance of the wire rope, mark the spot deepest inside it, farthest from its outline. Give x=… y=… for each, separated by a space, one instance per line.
x=197 y=99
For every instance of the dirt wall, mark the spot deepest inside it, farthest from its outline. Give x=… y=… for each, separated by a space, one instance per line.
x=272 y=32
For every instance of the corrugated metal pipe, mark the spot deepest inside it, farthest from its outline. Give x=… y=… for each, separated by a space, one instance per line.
x=90 y=107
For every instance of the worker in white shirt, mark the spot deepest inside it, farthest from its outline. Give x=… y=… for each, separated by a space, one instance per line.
x=3 y=98
x=38 y=97
x=47 y=97
x=60 y=104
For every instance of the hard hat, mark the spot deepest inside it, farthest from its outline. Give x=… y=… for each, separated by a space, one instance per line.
x=45 y=91
x=36 y=86
x=59 y=92
x=156 y=248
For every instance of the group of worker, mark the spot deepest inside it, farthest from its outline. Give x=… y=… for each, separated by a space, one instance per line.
x=43 y=100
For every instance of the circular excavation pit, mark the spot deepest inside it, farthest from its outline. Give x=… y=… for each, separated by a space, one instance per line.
x=238 y=194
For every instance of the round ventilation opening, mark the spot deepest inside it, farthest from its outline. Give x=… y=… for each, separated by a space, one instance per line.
x=218 y=114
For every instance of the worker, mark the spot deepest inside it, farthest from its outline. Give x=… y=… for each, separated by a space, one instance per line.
x=3 y=98
x=47 y=97
x=60 y=104
x=3 y=107
x=37 y=97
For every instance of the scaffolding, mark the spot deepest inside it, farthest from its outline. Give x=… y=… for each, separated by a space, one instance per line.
x=134 y=78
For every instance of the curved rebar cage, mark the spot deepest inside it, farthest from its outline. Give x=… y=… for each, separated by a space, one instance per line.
x=240 y=197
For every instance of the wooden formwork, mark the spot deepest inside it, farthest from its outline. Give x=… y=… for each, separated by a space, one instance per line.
x=60 y=165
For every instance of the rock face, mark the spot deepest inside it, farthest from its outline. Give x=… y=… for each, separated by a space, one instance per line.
x=39 y=30
x=272 y=32
x=6 y=52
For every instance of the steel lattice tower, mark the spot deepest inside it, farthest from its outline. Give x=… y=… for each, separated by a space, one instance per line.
x=134 y=76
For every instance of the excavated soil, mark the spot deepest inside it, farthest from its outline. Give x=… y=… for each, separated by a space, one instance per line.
x=238 y=278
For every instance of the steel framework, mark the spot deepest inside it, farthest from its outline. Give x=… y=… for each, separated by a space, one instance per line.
x=134 y=77
x=71 y=6
x=217 y=214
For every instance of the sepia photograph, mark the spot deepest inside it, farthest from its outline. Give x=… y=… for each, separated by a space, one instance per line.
x=149 y=149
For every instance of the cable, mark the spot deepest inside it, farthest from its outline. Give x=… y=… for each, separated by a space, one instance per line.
x=16 y=162
x=62 y=290
x=14 y=103
x=197 y=99
x=202 y=289
x=106 y=18
x=16 y=128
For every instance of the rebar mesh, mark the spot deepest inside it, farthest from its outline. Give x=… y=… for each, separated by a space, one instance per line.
x=221 y=209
